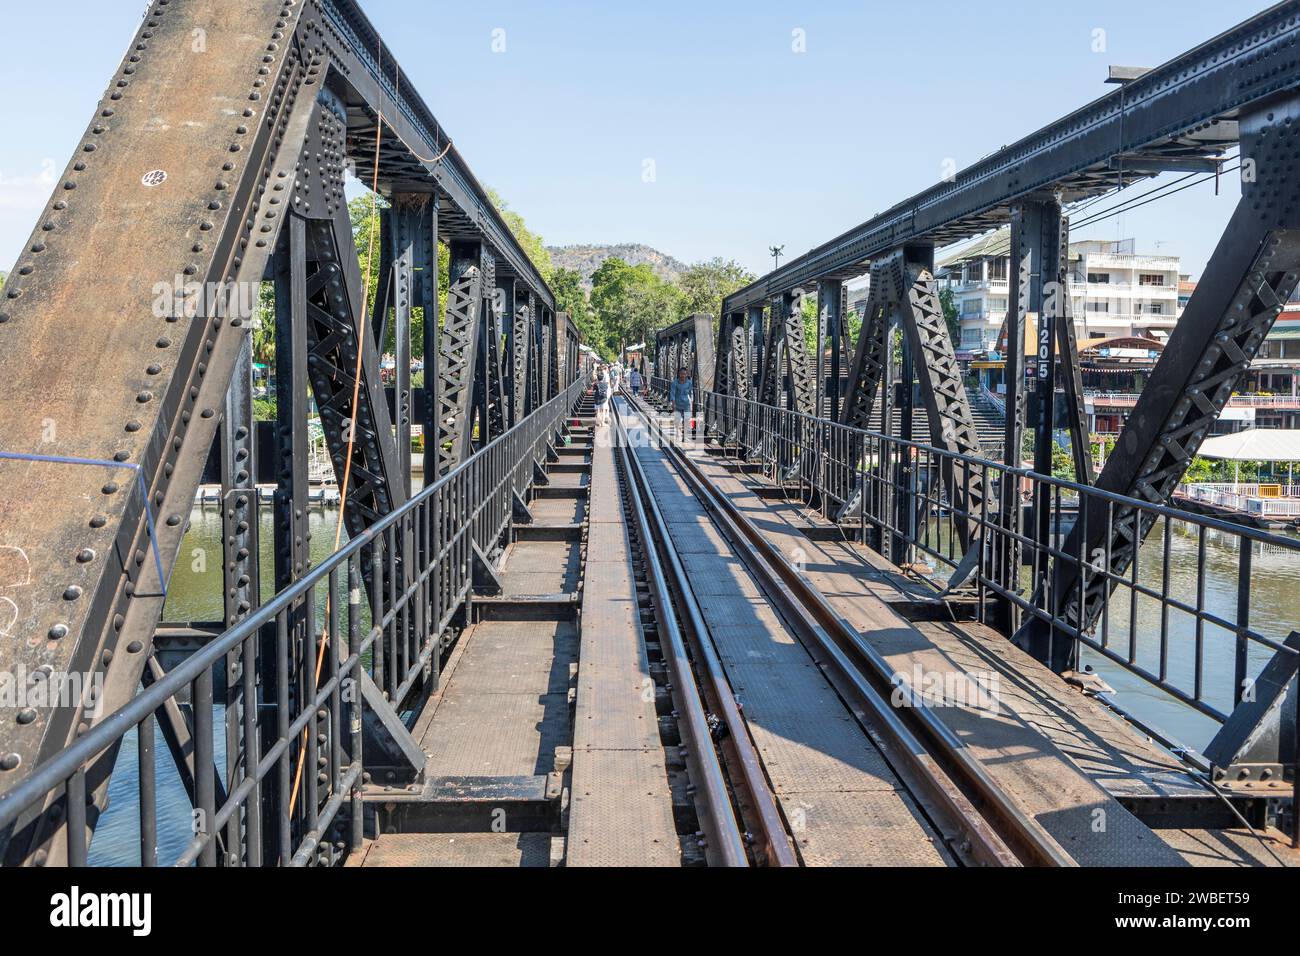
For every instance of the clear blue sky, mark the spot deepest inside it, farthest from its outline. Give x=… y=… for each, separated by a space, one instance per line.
x=752 y=143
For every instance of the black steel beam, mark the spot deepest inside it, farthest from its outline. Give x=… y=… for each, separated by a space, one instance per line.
x=1187 y=107
x=419 y=144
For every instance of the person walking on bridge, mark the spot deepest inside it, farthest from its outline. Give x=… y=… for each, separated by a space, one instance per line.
x=601 y=398
x=634 y=380
x=681 y=395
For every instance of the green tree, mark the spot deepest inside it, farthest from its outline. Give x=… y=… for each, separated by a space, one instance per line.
x=631 y=303
x=571 y=297
x=530 y=241
x=951 y=316
x=705 y=284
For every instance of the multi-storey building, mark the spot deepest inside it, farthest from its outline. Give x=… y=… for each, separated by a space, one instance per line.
x=1115 y=292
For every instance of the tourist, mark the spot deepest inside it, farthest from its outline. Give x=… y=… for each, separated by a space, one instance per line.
x=602 y=399
x=681 y=395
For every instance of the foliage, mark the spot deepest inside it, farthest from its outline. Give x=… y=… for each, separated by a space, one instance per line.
x=705 y=284
x=571 y=297
x=950 y=314
x=531 y=242
x=263 y=327
x=630 y=303
x=1215 y=469
x=264 y=410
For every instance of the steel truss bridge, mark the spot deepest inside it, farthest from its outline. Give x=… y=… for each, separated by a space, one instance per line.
x=226 y=170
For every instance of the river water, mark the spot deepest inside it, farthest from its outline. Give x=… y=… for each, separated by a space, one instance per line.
x=1274 y=600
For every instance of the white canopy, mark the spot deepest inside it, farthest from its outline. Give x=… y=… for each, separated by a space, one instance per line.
x=1254 y=444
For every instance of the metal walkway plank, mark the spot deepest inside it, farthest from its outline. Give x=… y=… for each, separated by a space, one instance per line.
x=621 y=813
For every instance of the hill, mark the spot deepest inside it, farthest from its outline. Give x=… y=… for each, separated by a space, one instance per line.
x=585 y=260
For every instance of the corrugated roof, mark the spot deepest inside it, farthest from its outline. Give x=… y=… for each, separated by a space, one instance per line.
x=994 y=244
x=1254 y=444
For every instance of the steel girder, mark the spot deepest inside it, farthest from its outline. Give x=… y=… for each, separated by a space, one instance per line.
x=1182 y=113
x=458 y=355
x=489 y=381
x=1249 y=278
x=769 y=389
x=550 y=356
x=903 y=290
x=871 y=355
x=518 y=349
x=731 y=375
x=688 y=343
x=94 y=543
x=803 y=395
x=1067 y=348
x=1026 y=296
x=952 y=428
x=831 y=298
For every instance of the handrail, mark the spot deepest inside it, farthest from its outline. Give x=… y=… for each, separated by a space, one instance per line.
x=109 y=730
x=855 y=475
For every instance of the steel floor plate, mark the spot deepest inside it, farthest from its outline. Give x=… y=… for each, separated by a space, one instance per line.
x=621 y=812
x=1236 y=848
x=460 y=849
x=541 y=567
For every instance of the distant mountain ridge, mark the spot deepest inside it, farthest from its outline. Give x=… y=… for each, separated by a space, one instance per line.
x=586 y=259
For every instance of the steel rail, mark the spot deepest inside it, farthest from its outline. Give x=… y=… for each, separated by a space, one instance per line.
x=995 y=829
x=777 y=849
x=721 y=829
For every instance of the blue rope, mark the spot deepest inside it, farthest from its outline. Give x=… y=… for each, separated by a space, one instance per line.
x=139 y=474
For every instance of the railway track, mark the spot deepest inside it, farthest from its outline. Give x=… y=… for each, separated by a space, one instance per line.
x=974 y=819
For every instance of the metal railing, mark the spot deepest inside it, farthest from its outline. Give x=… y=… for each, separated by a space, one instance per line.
x=892 y=495
x=298 y=666
x=1273 y=501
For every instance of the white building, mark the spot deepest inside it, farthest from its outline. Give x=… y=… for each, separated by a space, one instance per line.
x=1114 y=291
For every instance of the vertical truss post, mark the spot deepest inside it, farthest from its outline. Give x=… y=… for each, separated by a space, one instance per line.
x=426 y=263
x=952 y=427
x=800 y=394
x=488 y=403
x=1026 y=289
x=534 y=355
x=561 y=351
x=290 y=518
x=290 y=502
x=1076 y=415
x=407 y=226
x=240 y=576
x=830 y=311
x=548 y=362
x=521 y=313
x=773 y=354
x=1044 y=400
x=904 y=467
x=458 y=356
x=754 y=323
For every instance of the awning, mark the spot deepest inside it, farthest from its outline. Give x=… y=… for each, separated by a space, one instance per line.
x=1255 y=444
